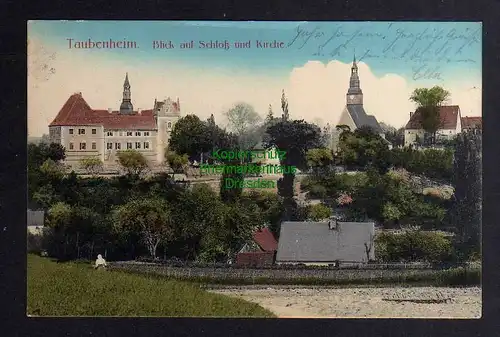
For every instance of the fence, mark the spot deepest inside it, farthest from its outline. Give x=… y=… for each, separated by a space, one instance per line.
x=289 y=276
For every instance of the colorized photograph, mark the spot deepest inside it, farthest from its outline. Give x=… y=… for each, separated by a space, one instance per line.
x=254 y=169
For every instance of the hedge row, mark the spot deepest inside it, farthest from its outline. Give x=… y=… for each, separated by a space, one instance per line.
x=456 y=276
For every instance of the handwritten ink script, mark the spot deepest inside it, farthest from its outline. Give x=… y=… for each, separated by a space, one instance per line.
x=426 y=49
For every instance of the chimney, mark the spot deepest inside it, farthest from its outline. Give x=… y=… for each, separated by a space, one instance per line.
x=139 y=111
x=110 y=110
x=411 y=114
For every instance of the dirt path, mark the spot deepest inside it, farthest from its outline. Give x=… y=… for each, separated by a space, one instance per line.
x=363 y=302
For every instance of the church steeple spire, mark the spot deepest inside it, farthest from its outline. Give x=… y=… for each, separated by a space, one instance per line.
x=126 y=107
x=354 y=94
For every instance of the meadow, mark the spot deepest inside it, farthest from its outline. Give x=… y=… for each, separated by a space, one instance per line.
x=76 y=289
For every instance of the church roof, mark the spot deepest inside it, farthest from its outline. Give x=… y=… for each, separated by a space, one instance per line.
x=360 y=118
x=77 y=112
x=448 y=115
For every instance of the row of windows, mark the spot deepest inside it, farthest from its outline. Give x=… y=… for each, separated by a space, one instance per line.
x=110 y=133
x=82 y=131
x=118 y=146
x=83 y=146
x=109 y=146
x=128 y=133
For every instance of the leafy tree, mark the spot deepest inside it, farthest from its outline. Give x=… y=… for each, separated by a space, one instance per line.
x=93 y=165
x=152 y=217
x=295 y=138
x=428 y=102
x=133 y=162
x=53 y=170
x=320 y=160
x=242 y=119
x=191 y=136
x=364 y=148
x=319 y=212
x=178 y=163
x=59 y=215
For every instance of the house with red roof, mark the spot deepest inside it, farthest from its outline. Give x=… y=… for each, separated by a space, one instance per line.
x=472 y=123
x=260 y=251
x=86 y=132
x=450 y=125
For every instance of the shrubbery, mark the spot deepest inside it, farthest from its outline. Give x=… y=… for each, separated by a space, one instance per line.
x=413 y=245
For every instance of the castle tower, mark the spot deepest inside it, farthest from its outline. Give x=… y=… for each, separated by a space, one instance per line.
x=126 y=107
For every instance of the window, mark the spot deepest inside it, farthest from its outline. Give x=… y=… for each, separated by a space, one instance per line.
x=110 y=133
x=146 y=145
x=94 y=131
x=138 y=133
x=81 y=131
x=70 y=131
x=169 y=125
x=94 y=146
x=146 y=133
x=121 y=133
x=137 y=145
x=117 y=146
x=109 y=146
x=129 y=133
x=129 y=146
x=71 y=146
x=83 y=146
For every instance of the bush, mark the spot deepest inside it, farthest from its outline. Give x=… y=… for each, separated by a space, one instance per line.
x=413 y=245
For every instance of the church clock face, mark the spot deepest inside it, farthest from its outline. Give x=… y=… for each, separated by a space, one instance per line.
x=351 y=97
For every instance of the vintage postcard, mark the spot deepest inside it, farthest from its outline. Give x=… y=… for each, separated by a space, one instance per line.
x=254 y=169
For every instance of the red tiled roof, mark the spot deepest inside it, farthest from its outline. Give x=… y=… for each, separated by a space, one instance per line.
x=448 y=115
x=472 y=122
x=265 y=239
x=76 y=112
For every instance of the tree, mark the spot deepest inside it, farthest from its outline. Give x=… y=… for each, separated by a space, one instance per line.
x=133 y=162
x=284 y=106
x=178 y=163
x=269 y=117
x=93 y=165
x=320 y=160
x=428 y=103
x=467 y=198
x=319 y=212
x=152 y=217
x=364 y=148
x=59 y=216
x=295 y=138
x=191 y=136
x=242 y=119
x=53 y=170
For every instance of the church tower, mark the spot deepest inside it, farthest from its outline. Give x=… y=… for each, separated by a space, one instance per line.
x=126 y=108
x=354 y=93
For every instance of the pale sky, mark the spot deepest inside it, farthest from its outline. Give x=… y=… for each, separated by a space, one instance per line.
x=315 y=87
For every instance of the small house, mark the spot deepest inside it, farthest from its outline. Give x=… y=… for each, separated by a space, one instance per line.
x=325 y=243
x=35 y=220
x=260 y=251
x=450 y=124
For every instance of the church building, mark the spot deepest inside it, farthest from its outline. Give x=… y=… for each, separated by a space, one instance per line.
x=354 y=115
x=86 y=132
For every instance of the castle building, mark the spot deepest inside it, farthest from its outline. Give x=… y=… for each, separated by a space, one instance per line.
x=86 y=132
x=354 y=115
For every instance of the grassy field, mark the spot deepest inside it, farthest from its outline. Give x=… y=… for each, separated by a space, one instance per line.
x=70 y=289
